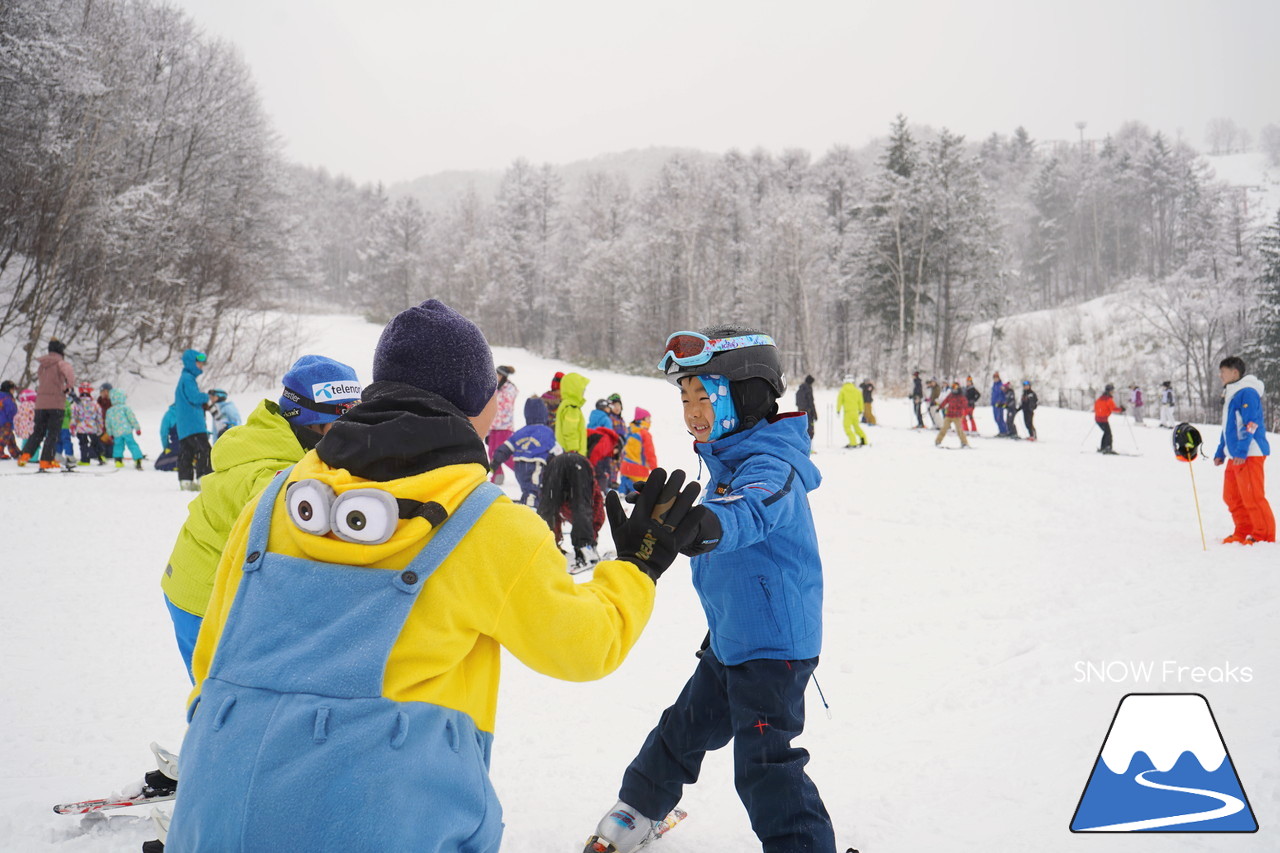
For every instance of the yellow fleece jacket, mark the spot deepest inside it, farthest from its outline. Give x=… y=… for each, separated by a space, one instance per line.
x=504 y=585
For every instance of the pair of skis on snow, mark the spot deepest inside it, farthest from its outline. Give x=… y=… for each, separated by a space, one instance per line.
x=145 y=794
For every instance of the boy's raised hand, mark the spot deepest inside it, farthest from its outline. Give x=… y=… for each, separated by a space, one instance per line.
x=663 y=522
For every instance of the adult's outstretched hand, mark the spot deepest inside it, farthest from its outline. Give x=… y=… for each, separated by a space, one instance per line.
x=663 y=522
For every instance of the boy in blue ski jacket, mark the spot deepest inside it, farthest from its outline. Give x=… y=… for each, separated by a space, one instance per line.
x=758 y=575
x=529 y=448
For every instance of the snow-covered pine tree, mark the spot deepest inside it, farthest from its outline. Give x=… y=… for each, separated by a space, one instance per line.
x=1264 y=346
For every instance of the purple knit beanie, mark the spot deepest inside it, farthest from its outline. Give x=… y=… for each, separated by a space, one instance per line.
x=433 y=347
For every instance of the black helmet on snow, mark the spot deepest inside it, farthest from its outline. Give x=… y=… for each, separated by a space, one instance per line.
x=1186 y=442
x=734 y=353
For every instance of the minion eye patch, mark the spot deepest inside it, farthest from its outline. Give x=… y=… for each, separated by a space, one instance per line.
x=360 y=516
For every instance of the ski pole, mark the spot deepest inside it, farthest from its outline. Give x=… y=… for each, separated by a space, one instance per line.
x=1196 y=495
x=1085 y=437
x=1132 y=437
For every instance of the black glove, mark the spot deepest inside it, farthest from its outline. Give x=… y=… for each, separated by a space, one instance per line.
x=633 y=496
x=661 y=524
x=707 y=536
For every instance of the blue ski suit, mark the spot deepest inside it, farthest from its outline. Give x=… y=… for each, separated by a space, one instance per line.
x=761 y=589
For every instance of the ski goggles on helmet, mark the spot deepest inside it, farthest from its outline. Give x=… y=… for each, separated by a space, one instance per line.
x=691 y=349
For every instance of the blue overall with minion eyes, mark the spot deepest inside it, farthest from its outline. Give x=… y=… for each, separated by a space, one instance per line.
x=294 y=699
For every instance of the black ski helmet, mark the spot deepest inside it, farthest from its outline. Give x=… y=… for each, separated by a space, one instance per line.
x=753 y=362
x=1186 y=442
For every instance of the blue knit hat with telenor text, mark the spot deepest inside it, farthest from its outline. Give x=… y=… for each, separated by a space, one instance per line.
x=318 y=390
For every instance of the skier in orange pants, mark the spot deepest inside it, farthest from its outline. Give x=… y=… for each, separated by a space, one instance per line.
x=1245 y=449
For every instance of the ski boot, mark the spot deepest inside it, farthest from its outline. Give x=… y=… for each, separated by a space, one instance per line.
x=137 y=463
x=625 y=830
x=584 y=558
x=161 y=782
x=161 y=819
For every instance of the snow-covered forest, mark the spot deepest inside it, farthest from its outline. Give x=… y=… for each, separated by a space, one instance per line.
x=881 y=260
x=144 y=206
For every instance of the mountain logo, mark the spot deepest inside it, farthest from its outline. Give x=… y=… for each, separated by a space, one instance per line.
x=1164 y=767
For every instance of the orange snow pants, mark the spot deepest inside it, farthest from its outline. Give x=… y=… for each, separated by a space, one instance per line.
x=1243 y=489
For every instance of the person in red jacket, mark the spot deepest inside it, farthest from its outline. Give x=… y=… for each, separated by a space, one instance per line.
x=955 y=408
x=1103 y=408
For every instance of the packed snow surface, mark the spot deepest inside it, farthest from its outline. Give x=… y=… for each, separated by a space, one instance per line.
x=973 y=601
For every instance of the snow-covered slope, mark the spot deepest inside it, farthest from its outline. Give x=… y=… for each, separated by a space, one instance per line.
x=1253 y=171
x=963 y=588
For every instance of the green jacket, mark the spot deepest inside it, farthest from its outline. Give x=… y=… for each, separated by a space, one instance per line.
x=850 y=401
x=571 y=426
x=244 y=461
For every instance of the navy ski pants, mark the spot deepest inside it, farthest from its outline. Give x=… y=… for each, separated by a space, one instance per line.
x=759 y=705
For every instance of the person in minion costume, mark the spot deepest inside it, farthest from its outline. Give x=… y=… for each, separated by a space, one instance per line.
x=347 y=668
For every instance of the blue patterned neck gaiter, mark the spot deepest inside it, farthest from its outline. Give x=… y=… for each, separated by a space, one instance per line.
x=722 y=403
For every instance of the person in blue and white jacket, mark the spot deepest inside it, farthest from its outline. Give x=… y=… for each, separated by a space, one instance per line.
x=1244 y=448
x=529 y=448
x=758 y=574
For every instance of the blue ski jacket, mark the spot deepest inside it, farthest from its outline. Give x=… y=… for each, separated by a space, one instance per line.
x=188 y=399
x=1243 y=406
x=761 y=587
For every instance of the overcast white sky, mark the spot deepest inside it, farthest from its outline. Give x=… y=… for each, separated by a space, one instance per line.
x=393 y=89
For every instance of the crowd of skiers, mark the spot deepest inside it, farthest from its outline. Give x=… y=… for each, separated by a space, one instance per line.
x=59 y=414
x=46 y=422
x=947 y=407
x=950 y=406
x=565 y=464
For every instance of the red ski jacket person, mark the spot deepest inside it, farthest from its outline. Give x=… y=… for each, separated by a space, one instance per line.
x=1105 y=406
x=955 y=405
